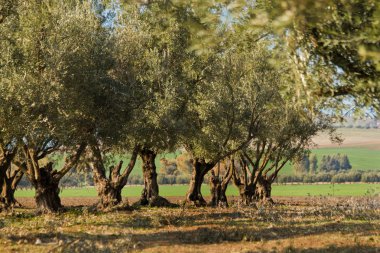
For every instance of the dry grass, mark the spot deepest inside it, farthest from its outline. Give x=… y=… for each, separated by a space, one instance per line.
x=292 y=225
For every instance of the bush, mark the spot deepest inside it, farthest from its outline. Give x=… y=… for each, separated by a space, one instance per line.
x=307 y=179
x=136 y=179
x=354 y=176
x=323 y=177
x=172 y=179
x=333 y=177
x=289 y=179
x=183 y=179
x=370 y=177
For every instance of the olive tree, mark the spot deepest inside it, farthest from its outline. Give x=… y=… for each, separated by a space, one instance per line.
x=335 y=42
x=226 y=106
x=151 y=54
x=54 y=57
x=8 y=178
x=219 y=184
x=286 y=136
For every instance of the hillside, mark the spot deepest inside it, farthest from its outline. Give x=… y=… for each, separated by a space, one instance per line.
x=362 y=146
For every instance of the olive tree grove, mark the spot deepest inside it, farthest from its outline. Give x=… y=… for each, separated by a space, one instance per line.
x=245 y=84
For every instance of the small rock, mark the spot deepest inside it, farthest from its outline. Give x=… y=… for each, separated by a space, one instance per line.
x=38 y=241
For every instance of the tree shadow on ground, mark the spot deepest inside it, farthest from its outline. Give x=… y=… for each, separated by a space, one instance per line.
x=207 y=235
x=334 y=249
x=198 y=236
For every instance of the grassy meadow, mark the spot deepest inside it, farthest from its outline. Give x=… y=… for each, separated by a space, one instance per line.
x=362 y=146
x=278 y=190
x=361 y=158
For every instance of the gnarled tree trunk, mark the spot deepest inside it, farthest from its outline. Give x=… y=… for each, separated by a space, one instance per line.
x=245 y=184
x=150 y=190
x=7 y=199
x=45 y=180
x=218 y=186
x=200 y=169
x=215 y=189
x=9 y=187
x=47 y=191
x=109 y=189
x=246 y=192
x=109 y=194
x=150 y=194
x=264 y=189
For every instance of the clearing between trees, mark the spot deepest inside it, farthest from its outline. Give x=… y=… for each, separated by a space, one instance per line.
x=313 y=224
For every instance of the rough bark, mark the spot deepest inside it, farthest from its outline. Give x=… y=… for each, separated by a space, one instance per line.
x=264 y=190
x=109 y=194
x=215 y=189
x=218 y=186
x=3 y=168
x=45 y=180
x=200 y=169
x=150 y=190
x=269 y=157
x=246 y=191
x=109 y=189
x=257 y=185
x=47 y=191
x=7 y=199
x=150 y=194
x=8 y=189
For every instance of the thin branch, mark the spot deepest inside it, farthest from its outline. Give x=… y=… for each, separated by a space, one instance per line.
x=131 y=165
x=70 y=162
x=115 y=171
x=229 y=173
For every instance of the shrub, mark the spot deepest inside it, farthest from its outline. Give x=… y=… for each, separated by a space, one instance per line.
x=370 y=177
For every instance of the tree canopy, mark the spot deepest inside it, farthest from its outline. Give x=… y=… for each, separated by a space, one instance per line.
x=251 y=81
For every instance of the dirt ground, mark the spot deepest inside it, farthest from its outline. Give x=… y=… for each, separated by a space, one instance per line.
x=302 y=224
x=352 y=137
x=29 y=203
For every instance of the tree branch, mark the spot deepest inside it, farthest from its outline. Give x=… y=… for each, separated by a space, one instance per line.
x=44 y=150
x=115 y=171
x=129 y=168
x=70 y=162
x=229 y=173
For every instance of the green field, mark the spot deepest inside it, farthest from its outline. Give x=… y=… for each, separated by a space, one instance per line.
x=278 y=190
x=125 y=158
x=362 y=146
x=361 y=158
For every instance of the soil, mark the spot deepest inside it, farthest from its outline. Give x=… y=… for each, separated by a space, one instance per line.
x=365 y=138
x=29 y=203
x=293 y=224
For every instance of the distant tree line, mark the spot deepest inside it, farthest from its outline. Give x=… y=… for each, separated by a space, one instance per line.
x=178 y=171
x=332 y=177
x=329 y=163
